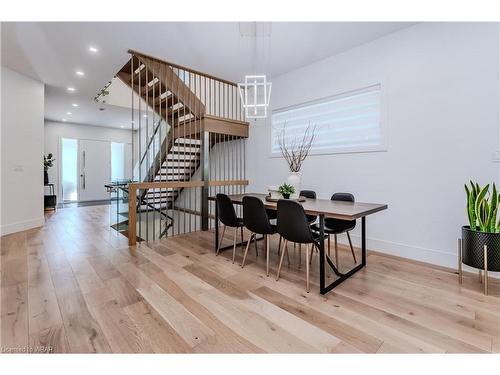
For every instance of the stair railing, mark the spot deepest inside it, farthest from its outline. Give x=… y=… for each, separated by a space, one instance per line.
x=200 y=151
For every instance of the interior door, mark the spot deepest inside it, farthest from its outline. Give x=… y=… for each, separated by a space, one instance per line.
x=95 y=169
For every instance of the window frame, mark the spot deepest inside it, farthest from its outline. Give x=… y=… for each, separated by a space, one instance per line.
x=382 y=147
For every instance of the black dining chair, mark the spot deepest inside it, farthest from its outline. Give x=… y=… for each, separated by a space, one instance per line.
x=311 y=194
x=227 y=216
x=294 y=227
x=256 y=220
x=337 y=226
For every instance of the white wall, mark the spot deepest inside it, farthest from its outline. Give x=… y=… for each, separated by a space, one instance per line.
x=22 y=111
x=441 y=111
x=55 y=131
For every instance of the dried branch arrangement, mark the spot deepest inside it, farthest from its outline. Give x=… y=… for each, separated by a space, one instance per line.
x=296 y=151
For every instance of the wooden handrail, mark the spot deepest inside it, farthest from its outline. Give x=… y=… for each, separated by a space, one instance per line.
x=133 y=52
x=228 y=183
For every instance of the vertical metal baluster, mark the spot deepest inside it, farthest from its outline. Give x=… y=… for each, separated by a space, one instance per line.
x=171 y=150
x=226 y=159
x=193 y=111
x=132 y=125
x=207 y=109
x=140 y=216
x=184 y=147
x=163 y=178
x=154 y=154
x=170 y=128
x=180 y=178
x=148 y=131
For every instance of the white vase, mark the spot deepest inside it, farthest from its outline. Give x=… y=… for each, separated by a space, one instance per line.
x=294 y=180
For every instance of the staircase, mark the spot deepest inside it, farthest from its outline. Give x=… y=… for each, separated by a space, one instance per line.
x=177 y=108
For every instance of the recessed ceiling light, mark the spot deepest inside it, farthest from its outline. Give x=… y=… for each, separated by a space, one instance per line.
x=74 y=105
x=69 y=113
x=145 y=116
x=80 y=73
x=71 y=89
x=93 y=49
x=122 y=126
x=64 y=120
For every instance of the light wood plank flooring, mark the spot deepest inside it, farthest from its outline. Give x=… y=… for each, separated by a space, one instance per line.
x=75 y=286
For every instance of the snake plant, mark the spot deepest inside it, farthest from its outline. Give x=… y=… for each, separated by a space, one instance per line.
x=482 y=207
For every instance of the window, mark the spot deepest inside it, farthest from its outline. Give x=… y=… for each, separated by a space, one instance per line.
x=345 y=122
x=70 y=169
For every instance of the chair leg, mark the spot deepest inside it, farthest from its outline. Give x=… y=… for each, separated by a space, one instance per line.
x=246 y=250
x=300 y=254
x=352 y=249
x=234 y=242
x=267 y=255
x=328 y=245
x=220 y=241
x=242 y=246
x=287 y=255
x=307 y=268
x=281 y=259
x=336 y=252
x=279 y=247
x=311 y=255
x=255 y=241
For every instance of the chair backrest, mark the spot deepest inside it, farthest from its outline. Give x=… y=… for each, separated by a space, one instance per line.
x=311 y=194
x=337 y=223
x=308 y=194
x=346 y=197
x=255 y=216
x=225 y=210
x=292 y=222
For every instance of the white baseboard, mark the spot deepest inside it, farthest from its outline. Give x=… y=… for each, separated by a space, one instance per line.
x=421 y=254
x=21 y=225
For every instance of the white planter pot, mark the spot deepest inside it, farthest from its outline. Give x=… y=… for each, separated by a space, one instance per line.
x=295 y=180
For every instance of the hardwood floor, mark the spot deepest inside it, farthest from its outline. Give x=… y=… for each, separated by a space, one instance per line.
x=75 y=286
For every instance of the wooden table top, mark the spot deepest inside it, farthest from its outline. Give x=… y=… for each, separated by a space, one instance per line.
x=334 y=209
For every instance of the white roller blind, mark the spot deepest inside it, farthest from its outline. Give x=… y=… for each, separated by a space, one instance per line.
x=349 y=121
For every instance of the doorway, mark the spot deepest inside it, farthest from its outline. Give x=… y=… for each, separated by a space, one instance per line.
x=94 y=168
x=87 y=165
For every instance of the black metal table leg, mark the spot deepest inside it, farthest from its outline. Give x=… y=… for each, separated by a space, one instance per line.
x=363 y=241
x=321 y=253
x=341 y=276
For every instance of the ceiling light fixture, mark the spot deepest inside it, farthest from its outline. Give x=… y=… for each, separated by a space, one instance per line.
x=255 y=91
x=74 y=105
x=145 y=116
x=71 y=89
x=69 y=113
x=122 y=126
x=64 y=120
x=93 y=49
x=255 y=94
x=80 y=73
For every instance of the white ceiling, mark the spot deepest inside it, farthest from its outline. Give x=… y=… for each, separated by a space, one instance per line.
x=51 y=52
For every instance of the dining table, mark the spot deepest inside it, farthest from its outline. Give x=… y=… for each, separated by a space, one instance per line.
x=323 y=208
